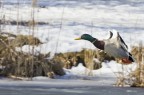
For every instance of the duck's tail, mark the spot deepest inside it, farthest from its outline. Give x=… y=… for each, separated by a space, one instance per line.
x=131 y=58
x=128 y=60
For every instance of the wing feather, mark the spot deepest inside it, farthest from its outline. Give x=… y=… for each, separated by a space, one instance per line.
x=122 y=41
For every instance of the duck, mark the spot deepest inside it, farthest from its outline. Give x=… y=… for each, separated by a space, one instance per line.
x=114 y=46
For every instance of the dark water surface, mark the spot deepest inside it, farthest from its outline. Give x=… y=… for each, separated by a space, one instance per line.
x=96 y=90
x=65 y=87
x=73 y=3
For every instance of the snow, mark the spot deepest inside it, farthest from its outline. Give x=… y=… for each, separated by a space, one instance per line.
x=76 y=77
x=109 y=69
x=69 y=19
x=80 y=75
x=66 y=23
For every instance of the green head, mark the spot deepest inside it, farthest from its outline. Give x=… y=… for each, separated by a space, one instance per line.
x=86 y=37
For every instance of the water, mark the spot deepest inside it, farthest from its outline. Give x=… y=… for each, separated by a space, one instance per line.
x=46 y=86
x=105 y=14
x=82 y=90
x=70 y=91
x=72 y=3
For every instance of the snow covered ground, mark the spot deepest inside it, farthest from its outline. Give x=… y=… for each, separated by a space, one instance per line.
x=68 y=19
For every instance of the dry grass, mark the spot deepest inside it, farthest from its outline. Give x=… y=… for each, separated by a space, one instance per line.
x=136 y=77
x=138 y=74
x=20 y=64
x=86 y=57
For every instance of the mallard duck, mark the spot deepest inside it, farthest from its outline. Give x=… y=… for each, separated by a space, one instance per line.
x=113 y=46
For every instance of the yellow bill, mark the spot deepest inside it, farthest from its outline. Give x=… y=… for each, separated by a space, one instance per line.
x=78 y=39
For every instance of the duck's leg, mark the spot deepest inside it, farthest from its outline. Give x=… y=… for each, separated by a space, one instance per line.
x=126 y=61
x=123 y=61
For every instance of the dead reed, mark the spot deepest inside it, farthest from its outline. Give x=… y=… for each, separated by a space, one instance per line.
x=138 y=74
x=133 y=78
x=19 y=64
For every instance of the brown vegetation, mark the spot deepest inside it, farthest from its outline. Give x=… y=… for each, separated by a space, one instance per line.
x=25 y=64
x=86 y=57
x=138 y=74
x=136 y=77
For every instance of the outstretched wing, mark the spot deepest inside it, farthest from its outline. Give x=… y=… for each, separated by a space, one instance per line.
x=114 y=35
x=121 y=40
x=111 y=35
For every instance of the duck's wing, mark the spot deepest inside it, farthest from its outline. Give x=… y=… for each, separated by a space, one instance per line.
x=116 y=38
x=123 y=47
x=122 y=41
x=111 y=35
